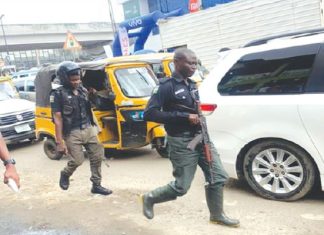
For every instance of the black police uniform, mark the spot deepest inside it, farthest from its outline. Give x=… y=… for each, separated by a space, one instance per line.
x=171 y=104
x=78 y=130
x=75 y=109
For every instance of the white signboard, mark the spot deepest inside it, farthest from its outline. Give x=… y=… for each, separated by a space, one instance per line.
x=124 y=41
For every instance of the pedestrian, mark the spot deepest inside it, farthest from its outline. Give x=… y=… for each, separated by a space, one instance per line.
x=9 y=163
x=173 y=105
x=75 y=126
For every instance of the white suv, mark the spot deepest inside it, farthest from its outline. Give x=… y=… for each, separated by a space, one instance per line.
x=268 y=125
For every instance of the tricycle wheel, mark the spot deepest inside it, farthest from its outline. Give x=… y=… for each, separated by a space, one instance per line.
x=50 y=149
x=163 y=151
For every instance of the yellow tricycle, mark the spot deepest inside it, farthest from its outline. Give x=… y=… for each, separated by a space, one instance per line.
x=122 y=89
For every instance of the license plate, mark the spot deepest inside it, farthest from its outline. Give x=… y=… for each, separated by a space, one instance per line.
x=22 y=128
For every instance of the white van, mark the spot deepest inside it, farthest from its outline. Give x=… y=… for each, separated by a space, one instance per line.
x=268 y=124
x=26 y=88
x=17 y=116
x=25 y=73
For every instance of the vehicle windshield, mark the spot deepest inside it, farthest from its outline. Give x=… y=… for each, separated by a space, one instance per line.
x=136 y=82
x=171 y=66
x=6 y=91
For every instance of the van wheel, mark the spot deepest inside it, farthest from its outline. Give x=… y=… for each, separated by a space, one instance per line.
x=50 y=149
x=279 y=170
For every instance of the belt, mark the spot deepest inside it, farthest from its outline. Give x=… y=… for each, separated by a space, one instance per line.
x=183 y=134
x=81 y=127
x=84 y=126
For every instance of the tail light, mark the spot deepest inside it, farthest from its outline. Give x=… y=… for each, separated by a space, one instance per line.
x=207 y=109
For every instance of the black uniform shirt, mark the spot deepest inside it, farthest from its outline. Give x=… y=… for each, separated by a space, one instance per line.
x=77 y=105
x=171 y=104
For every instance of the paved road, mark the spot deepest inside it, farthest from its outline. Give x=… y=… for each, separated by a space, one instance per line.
x=42 y=208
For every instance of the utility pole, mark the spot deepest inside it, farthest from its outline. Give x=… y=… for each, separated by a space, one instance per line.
x=112 y=17
x=5 y=39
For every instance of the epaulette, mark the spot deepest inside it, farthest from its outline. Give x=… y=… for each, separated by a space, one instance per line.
x=164 y=80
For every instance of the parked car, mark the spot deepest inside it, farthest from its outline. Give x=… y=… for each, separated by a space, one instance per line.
x=25 y=73
x=17 y=116
x=26 y=88
x=268 y=124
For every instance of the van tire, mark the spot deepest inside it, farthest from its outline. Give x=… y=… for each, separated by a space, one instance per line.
x=50 y=149
x=261 y=174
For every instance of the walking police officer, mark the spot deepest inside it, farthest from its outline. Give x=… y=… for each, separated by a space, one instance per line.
x=74 y=126
x=173 y=105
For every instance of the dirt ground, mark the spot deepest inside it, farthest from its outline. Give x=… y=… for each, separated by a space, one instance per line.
x=42 y=207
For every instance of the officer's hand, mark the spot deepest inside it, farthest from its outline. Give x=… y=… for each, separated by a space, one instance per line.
x=61 y=148
x=194 y=119
x=92 y=90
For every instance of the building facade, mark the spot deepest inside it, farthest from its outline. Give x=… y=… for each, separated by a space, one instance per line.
x=134 y=8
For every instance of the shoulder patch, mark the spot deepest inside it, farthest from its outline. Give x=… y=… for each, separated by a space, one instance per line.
x=164 y=80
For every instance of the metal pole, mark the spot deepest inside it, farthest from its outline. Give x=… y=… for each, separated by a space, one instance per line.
x=112 y=17
x=4 y=37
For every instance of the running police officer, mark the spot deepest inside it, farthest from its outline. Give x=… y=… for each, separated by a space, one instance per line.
x=173 y=105
x=74 y=126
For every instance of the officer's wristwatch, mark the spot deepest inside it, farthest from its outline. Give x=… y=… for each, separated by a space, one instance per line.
x=9 y=161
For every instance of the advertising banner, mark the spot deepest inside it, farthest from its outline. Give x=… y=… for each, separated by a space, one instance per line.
x=124 y=40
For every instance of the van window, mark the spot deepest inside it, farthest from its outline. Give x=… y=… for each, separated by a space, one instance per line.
x=23 y=75
x=283 y=71
x=20 y=85
x=30 y=86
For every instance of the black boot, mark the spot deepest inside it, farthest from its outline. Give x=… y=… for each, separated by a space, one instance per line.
x=64 y=181
x=214 y=198
x=158 y=195
x=98 y=189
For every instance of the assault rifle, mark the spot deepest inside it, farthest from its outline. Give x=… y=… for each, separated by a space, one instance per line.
x=203 y=137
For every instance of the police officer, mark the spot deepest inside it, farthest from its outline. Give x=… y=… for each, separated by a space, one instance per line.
x=74 y=126
x=173 y=105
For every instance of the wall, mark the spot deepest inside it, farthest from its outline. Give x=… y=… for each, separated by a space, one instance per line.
x=236 y=23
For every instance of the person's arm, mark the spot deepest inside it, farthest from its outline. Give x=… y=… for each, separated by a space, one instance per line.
x=10 y=167
x=58 y=120
x=154 y=112
x=56 y=105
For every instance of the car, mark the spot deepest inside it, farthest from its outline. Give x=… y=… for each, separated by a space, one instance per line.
x=17 y=116
x=26 y=87
x=268 y=123
x=25 y=73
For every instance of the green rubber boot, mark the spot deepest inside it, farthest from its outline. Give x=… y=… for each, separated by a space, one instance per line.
x=162 y=194
x=214 y=198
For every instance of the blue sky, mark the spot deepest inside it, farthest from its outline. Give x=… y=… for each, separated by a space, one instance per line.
x=57 y=11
